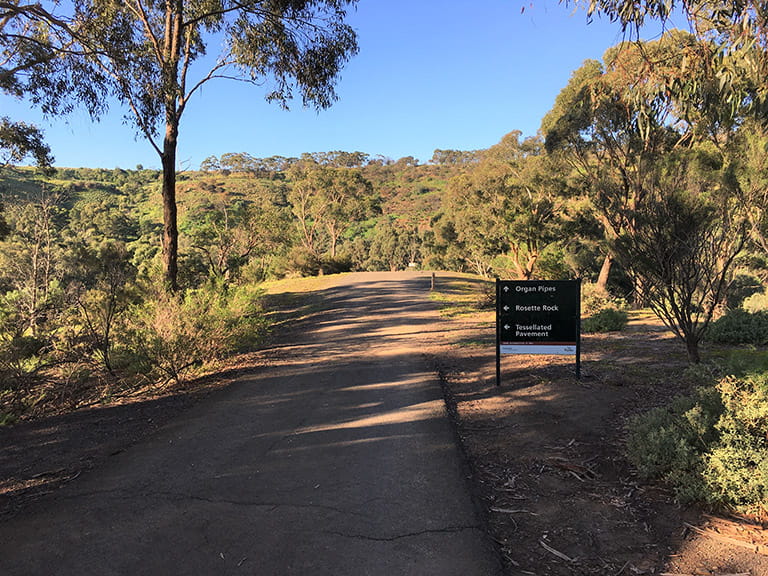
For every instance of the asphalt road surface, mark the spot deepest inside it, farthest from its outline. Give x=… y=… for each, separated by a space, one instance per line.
x=338 y=460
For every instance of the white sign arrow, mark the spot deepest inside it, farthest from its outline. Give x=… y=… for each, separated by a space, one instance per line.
x=507 y=326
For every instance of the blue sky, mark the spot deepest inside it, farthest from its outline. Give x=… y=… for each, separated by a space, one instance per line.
x=430 y=74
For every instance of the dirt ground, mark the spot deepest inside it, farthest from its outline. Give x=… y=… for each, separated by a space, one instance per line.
x=545 y=450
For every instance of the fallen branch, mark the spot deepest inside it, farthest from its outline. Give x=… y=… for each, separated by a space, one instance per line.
x=555 y=552
x=47 y=473
x=728 y=540
x=513 y=511
x=579 y=471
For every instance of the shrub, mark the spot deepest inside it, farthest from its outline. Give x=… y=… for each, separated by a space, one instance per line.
x=594 y=300
x=743 y=286
x=245 y=318
x=737 y=466
x=171 y=334
x=711 y=447
x=21 y=359
x=302 y=262
x=337 y=265
x=606 y=320
x=552 y=263
x=758 y=302
x=669 y=443
x=740 y=327
x=742 y=361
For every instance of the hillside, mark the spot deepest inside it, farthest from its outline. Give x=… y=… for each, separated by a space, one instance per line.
x=396 y=209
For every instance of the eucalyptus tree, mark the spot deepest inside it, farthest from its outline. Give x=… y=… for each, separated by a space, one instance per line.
x=534 y=198
x=510 y=204
x=749 y=152
x=688 y=234
x=735 y=35
x=18 y=140
x=38 y=60
x=392 y=247
x=659 y=172
x=30 y=262
x=615 y=120
x=470 y=223
x=327 y=201
x=229 y=234
x=152 y=56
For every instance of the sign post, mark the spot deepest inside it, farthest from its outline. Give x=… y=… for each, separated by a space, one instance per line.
x=538 y=317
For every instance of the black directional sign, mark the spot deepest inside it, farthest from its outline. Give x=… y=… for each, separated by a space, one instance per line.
x=538 y=317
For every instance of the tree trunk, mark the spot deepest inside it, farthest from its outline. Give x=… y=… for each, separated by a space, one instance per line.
x=334 y=240
x=529 y=267
x=172 y=91
x=170 y=227
x=692 y=346
x=605 y=270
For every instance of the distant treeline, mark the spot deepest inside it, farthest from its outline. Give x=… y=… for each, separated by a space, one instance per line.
x=277 y=165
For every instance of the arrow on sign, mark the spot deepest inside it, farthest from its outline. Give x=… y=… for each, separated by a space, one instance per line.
x=507 y=326
x=506 y=288
x=506 y=308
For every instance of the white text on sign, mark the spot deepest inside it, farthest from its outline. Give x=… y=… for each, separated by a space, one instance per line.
x=539 y=288
x=537 y=308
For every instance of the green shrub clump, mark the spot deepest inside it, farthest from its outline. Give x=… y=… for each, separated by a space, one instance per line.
x=170 y=334
x=593 y=300
x=711 y=448
x=740 y=327
x=606 y=320
x=758 y=302
x=602 y=312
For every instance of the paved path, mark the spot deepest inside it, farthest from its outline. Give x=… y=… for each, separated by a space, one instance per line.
x=339 y=460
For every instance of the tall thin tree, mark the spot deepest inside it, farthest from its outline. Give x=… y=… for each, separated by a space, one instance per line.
x=149 y=54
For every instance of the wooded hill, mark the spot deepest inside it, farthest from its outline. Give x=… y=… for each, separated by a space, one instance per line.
x=251 y=219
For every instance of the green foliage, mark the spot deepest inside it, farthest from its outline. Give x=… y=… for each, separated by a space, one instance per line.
x=172 y=334
x=670 y=443
x=508 y=209
x=107 y=47
x=758 y=302
x=19 y=140
x=676 y=225
x=681 y=250
x=742 y=287
x=712 y=447
x=7 y=419
x=553 y=264
x=327 y=202
x=82 y=245
x=733 y=64
x=593 y=300
x=737 y=466
x=392 y=247
x=745 y=360
x=740 y=327
x=301 y=262
x=21 y=360
x=606 y=320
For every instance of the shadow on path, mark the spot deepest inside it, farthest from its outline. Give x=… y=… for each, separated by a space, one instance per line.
x=338 y=459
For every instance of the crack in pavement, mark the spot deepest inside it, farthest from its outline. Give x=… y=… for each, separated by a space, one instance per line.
x=448 y=530
x=175 y=496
